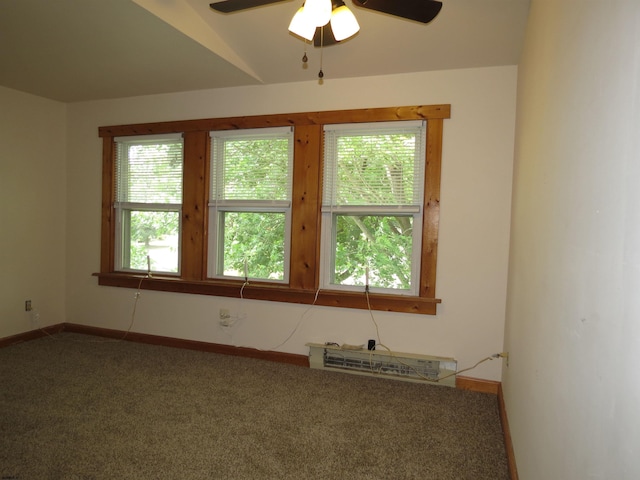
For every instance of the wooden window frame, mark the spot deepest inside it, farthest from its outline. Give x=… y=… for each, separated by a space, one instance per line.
x=306 y=215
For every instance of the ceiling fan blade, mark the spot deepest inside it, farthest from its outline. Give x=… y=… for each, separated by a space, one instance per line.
x=419 y=10
x=230 y=6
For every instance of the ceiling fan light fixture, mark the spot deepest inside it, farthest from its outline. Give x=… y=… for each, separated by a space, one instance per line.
x=318 y=11
x=343 y=22
x=302 y=25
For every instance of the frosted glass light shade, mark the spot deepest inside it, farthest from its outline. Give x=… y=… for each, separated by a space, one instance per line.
x=302 y=25
x=318 y=11
x=343 y=23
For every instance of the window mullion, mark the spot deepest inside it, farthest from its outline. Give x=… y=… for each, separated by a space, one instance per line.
x=431 y=211
x=194 y=220
x=305 y=211
x=108 y=226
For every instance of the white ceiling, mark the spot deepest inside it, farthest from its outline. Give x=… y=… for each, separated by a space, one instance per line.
x=77 y=50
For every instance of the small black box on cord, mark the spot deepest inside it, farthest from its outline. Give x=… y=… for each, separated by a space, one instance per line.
x=371 y=345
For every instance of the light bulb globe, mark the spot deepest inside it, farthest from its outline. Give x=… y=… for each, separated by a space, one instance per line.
x=343 y=23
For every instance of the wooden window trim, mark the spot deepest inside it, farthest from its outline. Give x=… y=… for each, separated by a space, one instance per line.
x=305 y=228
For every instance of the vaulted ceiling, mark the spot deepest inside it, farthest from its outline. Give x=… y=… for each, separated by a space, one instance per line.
x=77 y=50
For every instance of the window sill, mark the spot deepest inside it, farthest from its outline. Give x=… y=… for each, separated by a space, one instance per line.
x=274 y=293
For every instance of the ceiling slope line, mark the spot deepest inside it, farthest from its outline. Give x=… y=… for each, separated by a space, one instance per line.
x=183 y=18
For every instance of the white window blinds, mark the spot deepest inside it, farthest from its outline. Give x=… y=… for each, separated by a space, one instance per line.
x=374 y=165
x=252 y=165
x=149 y=169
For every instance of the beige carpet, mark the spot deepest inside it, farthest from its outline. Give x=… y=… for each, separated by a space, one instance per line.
x=81 y=407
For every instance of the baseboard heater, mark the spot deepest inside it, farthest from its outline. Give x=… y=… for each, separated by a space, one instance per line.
x=379 y=363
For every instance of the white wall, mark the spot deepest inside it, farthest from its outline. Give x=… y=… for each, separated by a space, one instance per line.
x=32 y=210
x=475 y=215
x=572 y=387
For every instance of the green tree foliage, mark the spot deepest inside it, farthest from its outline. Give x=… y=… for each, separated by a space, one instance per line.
x=152 y=226
x=375 y=170
x=376 y=243
x=255 y=170
x=258 y=240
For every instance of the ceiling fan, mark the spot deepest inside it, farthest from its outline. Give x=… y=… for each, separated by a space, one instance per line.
x=417 y=10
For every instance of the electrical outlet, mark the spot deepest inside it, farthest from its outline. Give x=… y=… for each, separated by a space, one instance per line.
x=27 y=306
x=504 y=355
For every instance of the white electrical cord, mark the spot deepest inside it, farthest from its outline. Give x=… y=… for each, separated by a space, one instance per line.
x=392 y=355
x=295 y=329
x=133 y=315
x=315 y=299
x=135 y=306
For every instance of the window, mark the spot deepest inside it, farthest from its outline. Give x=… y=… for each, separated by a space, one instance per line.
x=311 y=207
x=148 y=203
x=250 y=203
x=372 y=206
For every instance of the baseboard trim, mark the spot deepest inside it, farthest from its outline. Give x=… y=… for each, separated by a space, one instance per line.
x=477 y=385
x=495 y=388
x=463 y=383
x=511 y=458
x=31 y=335
x=290 y=358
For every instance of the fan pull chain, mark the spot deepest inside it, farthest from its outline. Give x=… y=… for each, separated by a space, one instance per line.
x=321 y=73
x=305 y=59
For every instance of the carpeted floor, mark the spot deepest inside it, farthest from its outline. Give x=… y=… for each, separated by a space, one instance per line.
x=81 y=407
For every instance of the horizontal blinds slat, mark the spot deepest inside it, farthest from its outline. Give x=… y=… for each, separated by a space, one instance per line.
x=148 y=207
x=252 y=132
x=374 y=164
x=149 y=171
x=251 y=203
x=252 y=164
x=375 y=126
x=372 y=209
